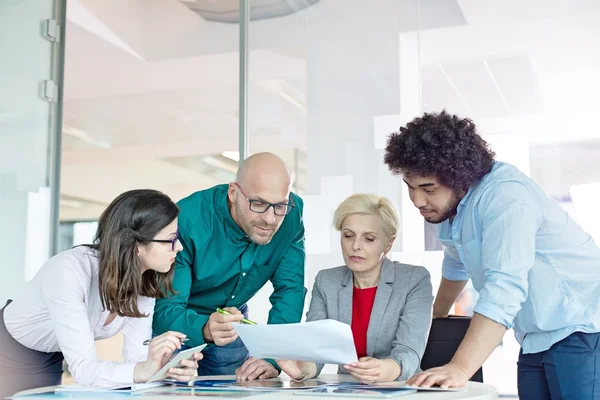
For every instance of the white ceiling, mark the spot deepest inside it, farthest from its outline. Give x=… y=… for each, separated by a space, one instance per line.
x=151 y=88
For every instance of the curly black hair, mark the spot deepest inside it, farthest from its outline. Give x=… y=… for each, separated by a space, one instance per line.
x=441 y=145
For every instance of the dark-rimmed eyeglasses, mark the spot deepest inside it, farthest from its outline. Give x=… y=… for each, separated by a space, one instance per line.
x=172 y=241
x=261 y=206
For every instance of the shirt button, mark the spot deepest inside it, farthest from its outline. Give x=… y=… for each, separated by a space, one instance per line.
x=243 y=274
x=233 y=296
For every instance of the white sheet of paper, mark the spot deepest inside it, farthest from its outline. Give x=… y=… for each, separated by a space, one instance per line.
x=403 y=385
x=124 y=387
x=326 y=341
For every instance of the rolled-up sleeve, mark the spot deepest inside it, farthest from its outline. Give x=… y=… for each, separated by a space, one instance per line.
x=411 y=338
x=510 y=218
x=452 y=268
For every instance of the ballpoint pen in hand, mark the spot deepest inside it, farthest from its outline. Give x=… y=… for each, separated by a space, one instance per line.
x=147 y=342
x=245 y=321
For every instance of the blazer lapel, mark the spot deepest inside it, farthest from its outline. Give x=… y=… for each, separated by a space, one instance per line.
x=345 y=299
x=384 y=292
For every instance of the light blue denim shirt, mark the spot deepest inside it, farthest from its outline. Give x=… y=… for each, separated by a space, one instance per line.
x=536 y=270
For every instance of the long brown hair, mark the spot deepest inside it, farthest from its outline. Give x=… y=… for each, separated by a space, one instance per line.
x=133 y=218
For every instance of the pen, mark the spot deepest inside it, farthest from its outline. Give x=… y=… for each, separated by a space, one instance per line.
x=245 y=321
x=147 y=342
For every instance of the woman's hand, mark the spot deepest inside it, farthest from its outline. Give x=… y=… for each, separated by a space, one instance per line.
x=187 y=370
x=160 y=351
x=366 y=370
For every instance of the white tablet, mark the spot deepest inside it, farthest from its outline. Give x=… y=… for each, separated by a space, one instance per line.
x=175 y=362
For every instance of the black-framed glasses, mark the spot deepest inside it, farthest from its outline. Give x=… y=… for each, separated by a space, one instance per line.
x=172 y=241
x=260 y=206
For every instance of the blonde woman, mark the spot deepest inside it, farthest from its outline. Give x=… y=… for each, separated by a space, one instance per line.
x=387 y=304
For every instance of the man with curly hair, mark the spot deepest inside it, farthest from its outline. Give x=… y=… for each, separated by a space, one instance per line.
x=535 y=268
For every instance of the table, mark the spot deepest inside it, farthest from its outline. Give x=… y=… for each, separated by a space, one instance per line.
x=474 y=391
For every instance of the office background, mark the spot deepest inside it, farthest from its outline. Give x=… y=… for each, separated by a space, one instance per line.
x=167 y=93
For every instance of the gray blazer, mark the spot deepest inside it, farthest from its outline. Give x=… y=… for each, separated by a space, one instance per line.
x=401 y=315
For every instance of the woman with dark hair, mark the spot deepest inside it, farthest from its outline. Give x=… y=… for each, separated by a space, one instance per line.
x=93 y=292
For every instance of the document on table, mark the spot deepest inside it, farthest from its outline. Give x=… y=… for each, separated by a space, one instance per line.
x=401 y=385
x=355 y=392
x=124 y=387
x=326 y=341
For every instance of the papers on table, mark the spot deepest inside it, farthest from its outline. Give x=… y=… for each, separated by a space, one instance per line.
x=403 y=385
x=356 y=392
x=325 y=341
x=270 y=385
x=374 y=390
x=31 y=392
x=125 y=387
x=231 y=388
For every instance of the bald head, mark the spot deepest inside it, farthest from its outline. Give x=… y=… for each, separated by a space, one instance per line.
x=264 y=171
x=263 y=179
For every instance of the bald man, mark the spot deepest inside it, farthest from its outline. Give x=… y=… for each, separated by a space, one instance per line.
x=235 y=238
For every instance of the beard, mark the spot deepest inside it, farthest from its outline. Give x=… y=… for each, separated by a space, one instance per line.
x=448 y=211
x=247 y=227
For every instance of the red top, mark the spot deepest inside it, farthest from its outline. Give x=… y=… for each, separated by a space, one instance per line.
x=362 y=304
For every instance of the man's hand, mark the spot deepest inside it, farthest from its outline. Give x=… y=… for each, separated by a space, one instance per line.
x=366 y=370
x=481 y=339
x=255 y=368
x=219 y=328
x=447 y=376
x=298 y=370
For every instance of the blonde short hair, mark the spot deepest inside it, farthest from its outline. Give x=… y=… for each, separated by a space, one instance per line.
x=368 y=204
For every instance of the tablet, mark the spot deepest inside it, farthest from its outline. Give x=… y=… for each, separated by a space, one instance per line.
x=175 y=362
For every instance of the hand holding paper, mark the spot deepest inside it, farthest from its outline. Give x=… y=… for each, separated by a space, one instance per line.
x=325 y=341
x=366 y=370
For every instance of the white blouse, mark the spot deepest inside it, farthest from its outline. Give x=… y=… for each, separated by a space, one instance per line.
x=60 y=310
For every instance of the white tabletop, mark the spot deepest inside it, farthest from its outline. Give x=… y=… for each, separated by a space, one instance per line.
x=474 y=390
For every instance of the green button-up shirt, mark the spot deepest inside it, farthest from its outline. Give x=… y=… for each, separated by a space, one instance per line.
x=220 y=267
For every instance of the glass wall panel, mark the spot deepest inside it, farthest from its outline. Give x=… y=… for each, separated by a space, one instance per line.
x=151 y=101
x=324 y=79
x=29 y=104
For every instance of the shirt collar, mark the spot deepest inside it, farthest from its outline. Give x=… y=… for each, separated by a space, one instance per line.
x=474 y=186
x=463 y=201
